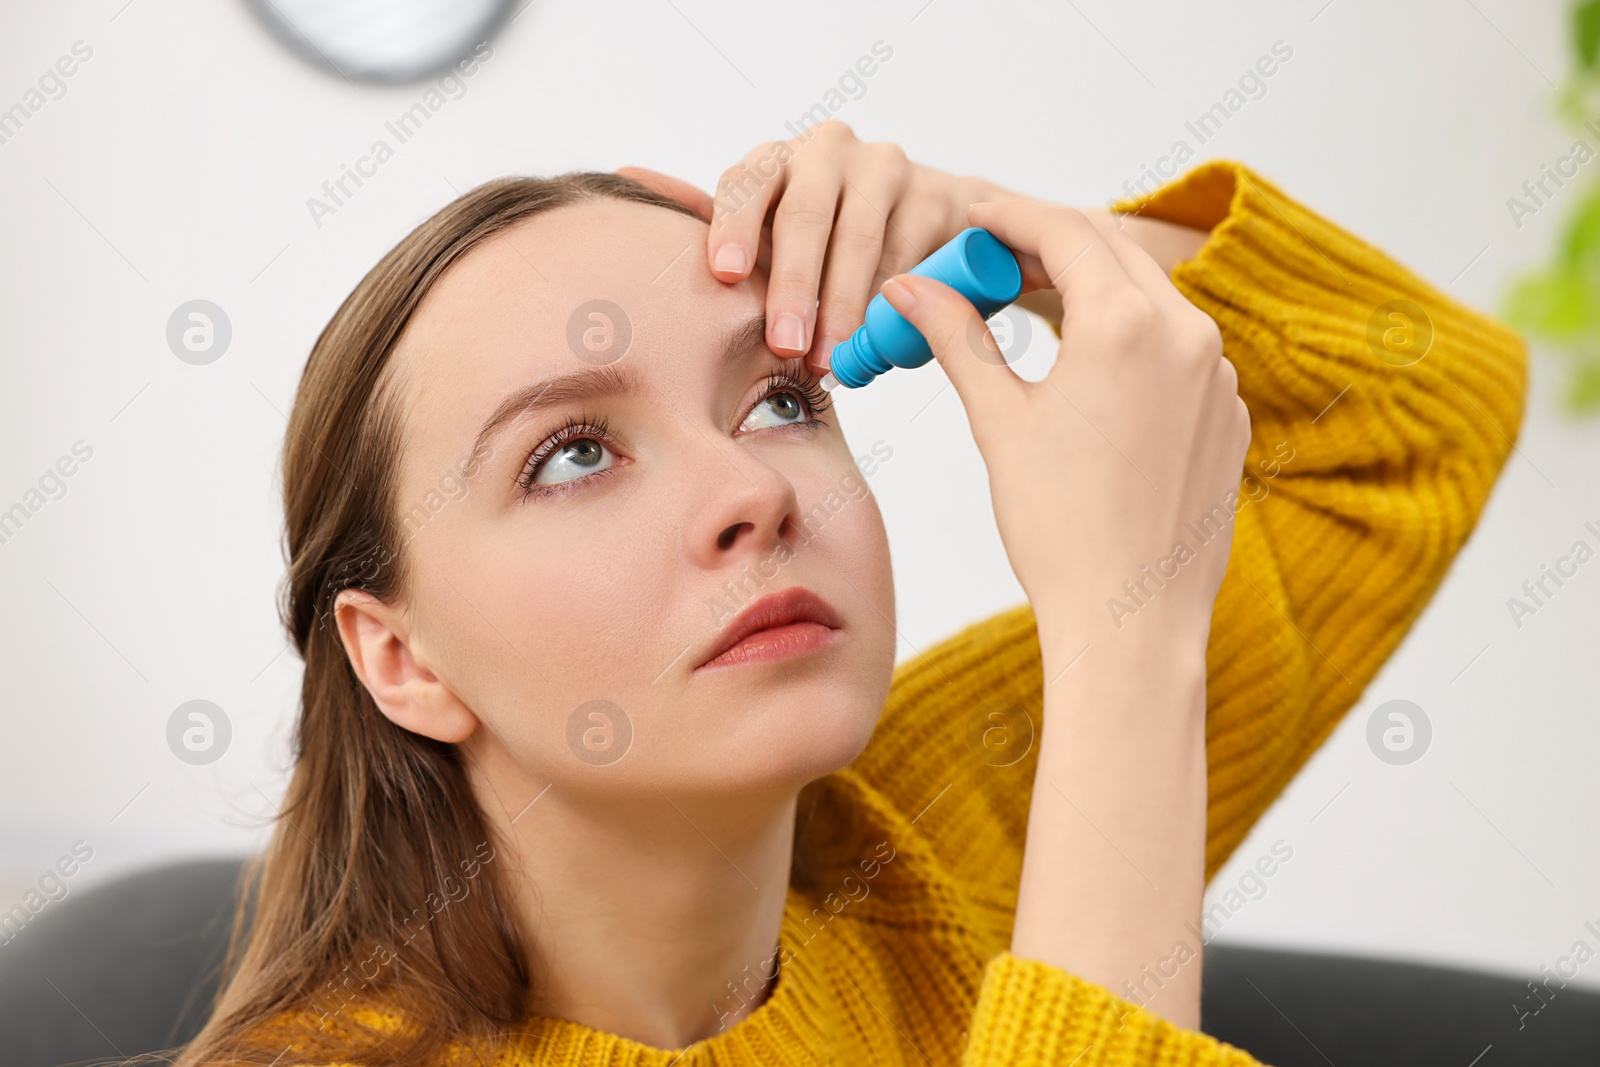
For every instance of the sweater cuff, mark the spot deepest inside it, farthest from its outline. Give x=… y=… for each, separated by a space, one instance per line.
x=1030 y=1012
x=1321 y=311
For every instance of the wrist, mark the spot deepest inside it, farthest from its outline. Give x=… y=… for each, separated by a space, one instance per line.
x=1064 y=636
x=1114 y=866
x=1163 y=673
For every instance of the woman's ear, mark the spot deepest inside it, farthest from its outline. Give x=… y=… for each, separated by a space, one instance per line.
x=690 y=196
x=409 y=694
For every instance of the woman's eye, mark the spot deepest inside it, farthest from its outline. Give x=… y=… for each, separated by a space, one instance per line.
x=577 y=451
x=573 y=459
x=785 y=406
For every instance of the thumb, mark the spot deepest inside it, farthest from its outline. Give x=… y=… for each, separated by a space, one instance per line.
x=962 y=344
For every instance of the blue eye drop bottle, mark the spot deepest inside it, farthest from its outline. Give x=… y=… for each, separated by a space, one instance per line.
x=974 y=263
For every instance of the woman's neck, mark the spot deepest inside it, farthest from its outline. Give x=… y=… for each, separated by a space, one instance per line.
x=656 y=919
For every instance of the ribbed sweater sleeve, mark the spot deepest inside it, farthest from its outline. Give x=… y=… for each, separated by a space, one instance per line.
x=1375 y=442
x=1395 y=450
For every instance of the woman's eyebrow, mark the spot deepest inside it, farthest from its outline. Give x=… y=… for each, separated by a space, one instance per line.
x=612 y=379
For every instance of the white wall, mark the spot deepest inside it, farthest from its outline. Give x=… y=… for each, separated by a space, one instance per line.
x=178 y=164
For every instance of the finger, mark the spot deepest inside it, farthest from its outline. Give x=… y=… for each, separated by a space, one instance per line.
x=689 y=195
x=745 y=193
x=801 y=225
x=1077 y=261
x=852 y=271
x=910 y=236
x=1140 y=265
x=916 y=229
x=1034 y=276
x=964 y=347
x=764 y=252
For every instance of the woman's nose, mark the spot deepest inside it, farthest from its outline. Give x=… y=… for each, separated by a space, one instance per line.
x=748 y=508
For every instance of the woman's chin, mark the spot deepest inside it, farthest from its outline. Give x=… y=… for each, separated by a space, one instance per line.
x=779 y=752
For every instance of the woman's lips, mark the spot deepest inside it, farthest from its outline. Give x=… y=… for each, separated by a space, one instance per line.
x=777 y=642
x=777 y=626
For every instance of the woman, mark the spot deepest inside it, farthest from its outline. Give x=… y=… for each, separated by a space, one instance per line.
x=603 y=756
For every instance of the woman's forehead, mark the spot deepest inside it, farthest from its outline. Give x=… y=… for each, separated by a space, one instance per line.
x=582 y=285
x=548 y=273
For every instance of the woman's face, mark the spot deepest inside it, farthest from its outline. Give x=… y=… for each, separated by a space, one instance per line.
x=570 y=613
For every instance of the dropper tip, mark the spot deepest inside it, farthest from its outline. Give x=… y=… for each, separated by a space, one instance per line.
x=829 y=382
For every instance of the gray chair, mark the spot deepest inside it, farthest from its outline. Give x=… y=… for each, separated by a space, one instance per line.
x=133 y=966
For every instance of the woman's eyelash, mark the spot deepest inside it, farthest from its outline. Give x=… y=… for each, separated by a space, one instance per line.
x=792 y=375
x=574 y=428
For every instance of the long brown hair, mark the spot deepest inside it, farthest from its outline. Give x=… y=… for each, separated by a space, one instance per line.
x=379 y=886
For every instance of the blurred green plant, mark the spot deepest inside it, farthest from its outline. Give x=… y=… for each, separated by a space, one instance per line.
x=1559 y=302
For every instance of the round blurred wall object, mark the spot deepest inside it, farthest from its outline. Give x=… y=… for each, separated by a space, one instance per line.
x=389 y=42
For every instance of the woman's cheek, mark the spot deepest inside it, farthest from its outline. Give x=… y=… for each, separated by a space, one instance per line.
x=865 y=544
x=590 y=615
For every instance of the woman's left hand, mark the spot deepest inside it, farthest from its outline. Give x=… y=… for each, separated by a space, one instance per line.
x=862 y=209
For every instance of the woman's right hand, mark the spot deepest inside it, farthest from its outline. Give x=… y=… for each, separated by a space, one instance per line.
x=1132 y=442
x=1121 y=453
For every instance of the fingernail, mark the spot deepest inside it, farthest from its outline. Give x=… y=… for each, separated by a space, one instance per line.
x=900 y=296
x=731 y=259
x=790 y=332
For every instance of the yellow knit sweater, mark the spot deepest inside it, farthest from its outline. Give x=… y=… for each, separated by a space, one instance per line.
x=1370 y=467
